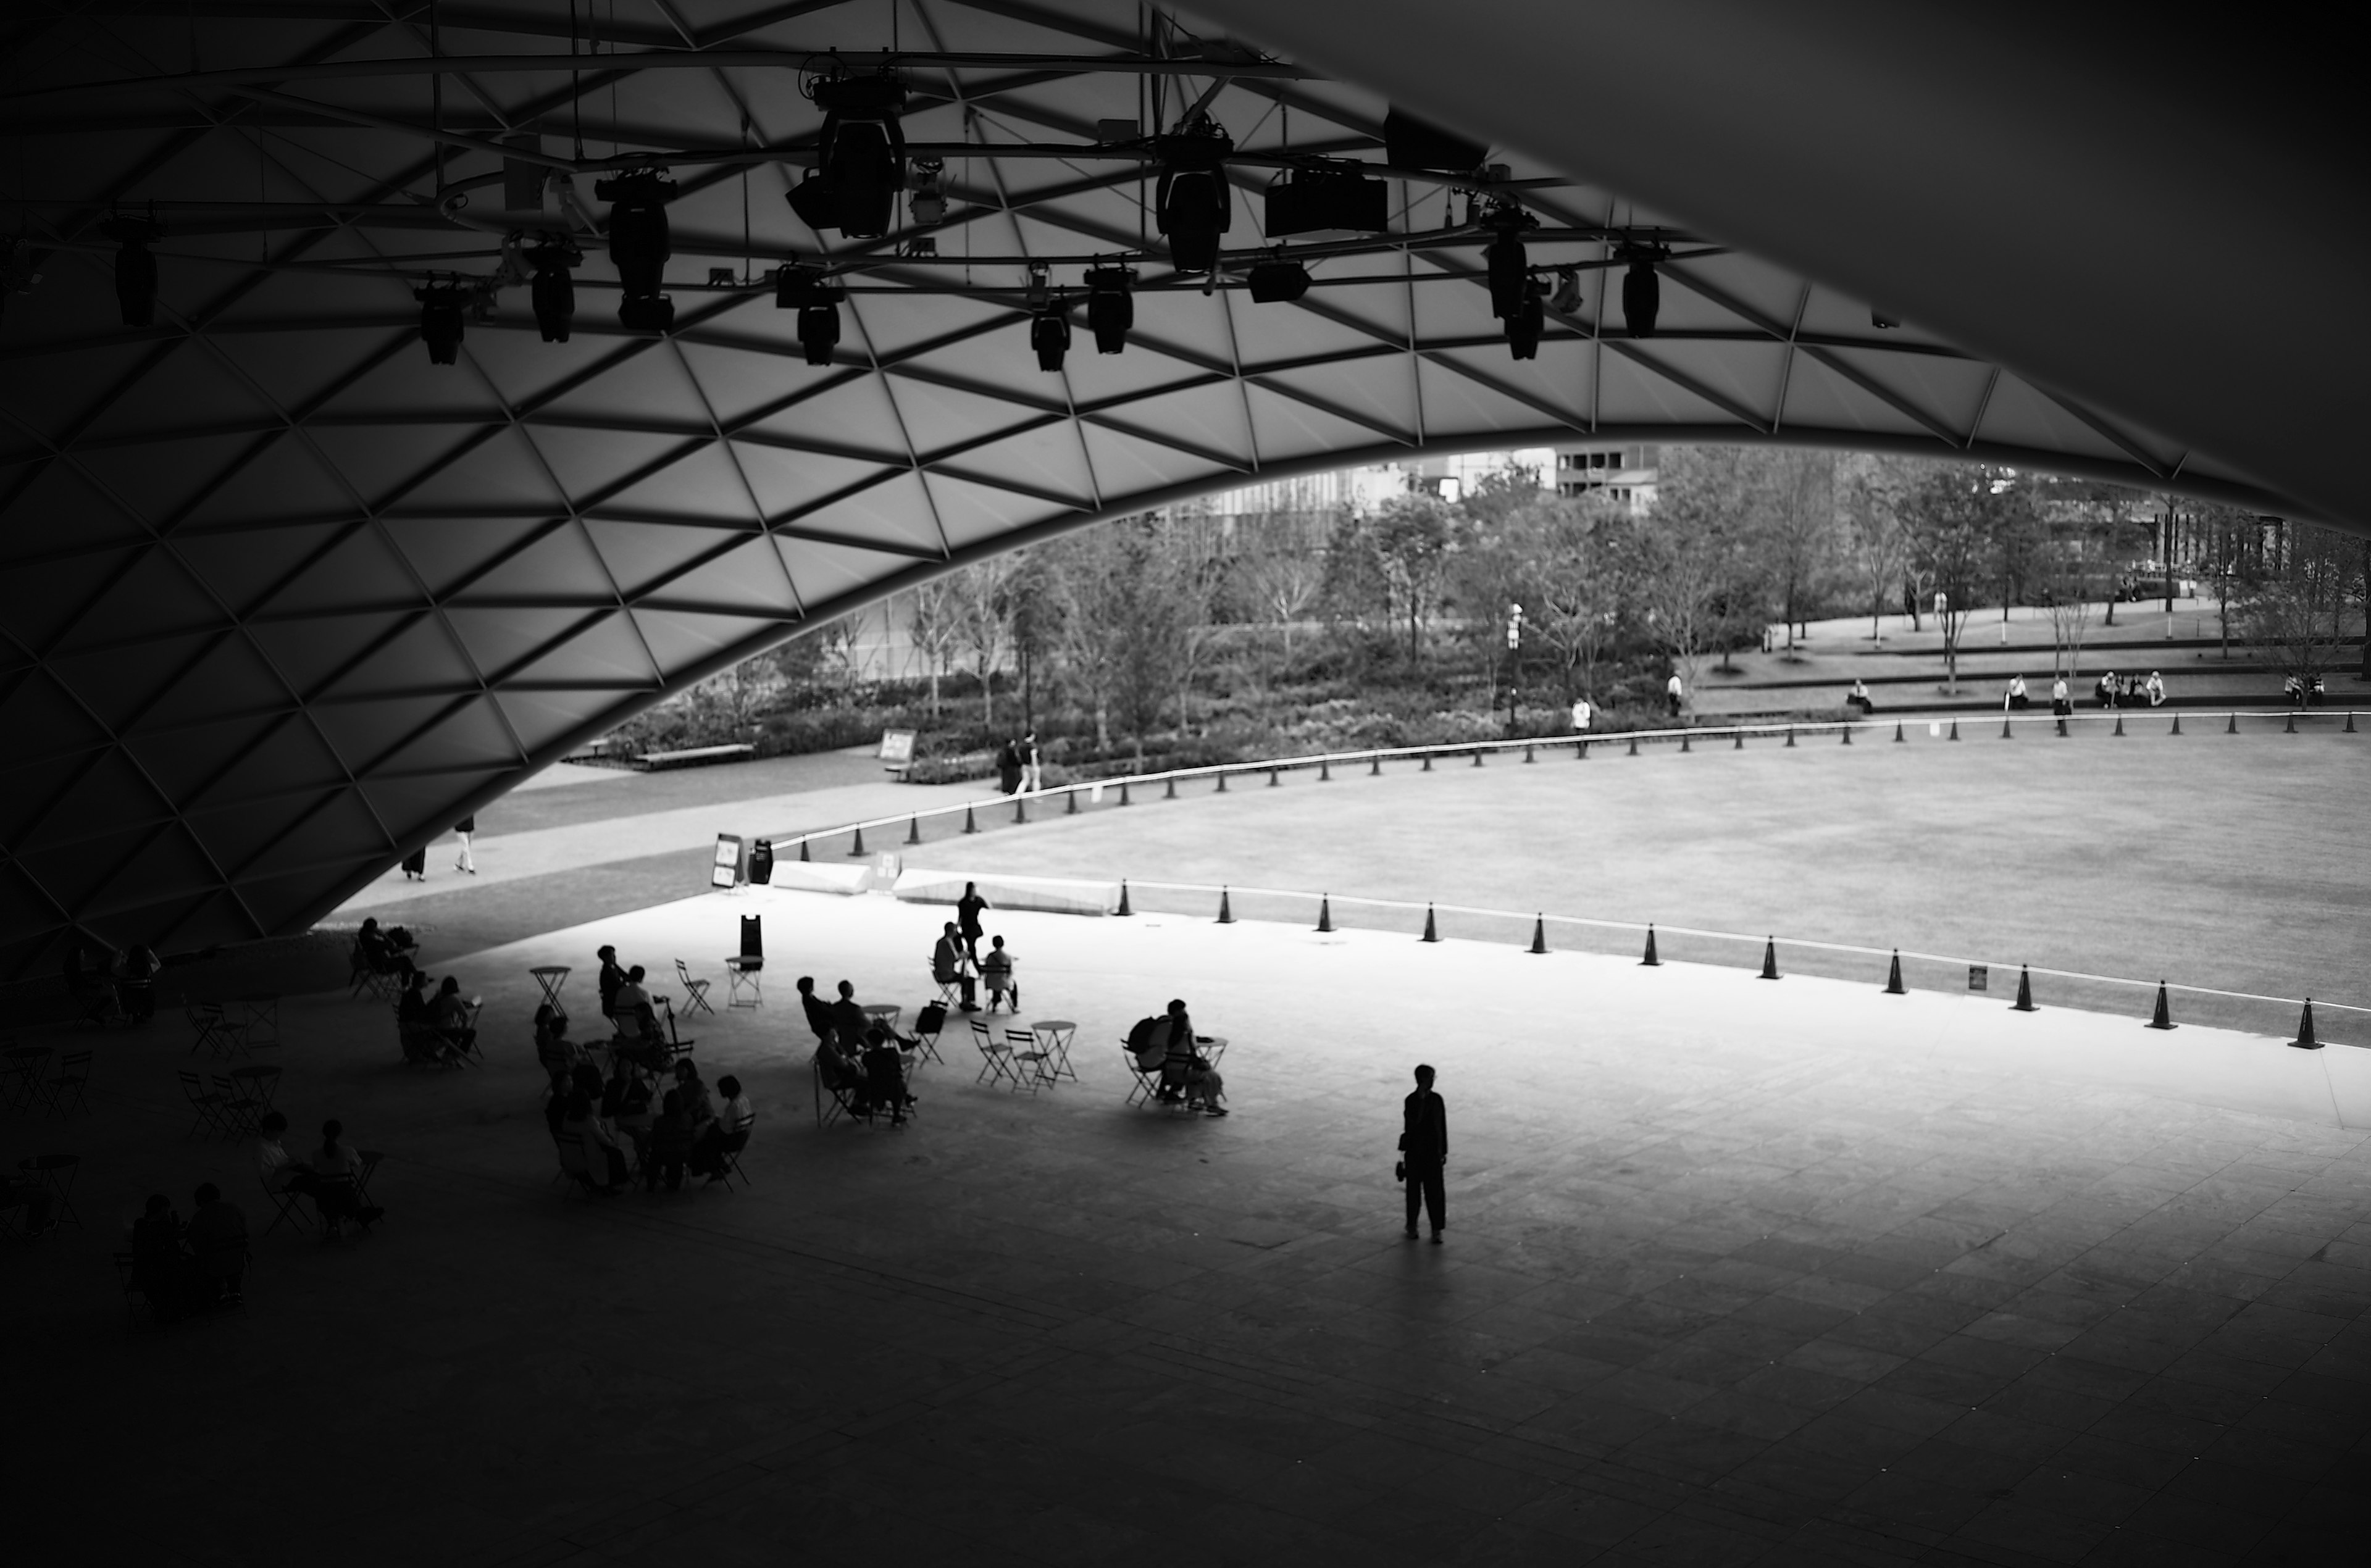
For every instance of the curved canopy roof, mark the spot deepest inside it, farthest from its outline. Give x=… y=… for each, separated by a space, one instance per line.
x=283 y=597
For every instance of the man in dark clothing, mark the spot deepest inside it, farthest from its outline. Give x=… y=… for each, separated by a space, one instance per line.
x=819 y=1012
x=849 y=1019
x=950 y=966
x=1424 y=1148
x=968 y=909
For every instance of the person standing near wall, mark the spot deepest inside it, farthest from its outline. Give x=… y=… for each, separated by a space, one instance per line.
x=1424 y=1152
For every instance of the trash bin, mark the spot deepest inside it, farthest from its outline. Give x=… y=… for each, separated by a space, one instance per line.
x=761 y=863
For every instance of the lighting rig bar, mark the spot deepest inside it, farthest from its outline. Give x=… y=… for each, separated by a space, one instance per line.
x=681 y=60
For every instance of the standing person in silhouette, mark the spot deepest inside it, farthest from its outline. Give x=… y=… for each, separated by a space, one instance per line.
x=1424 y=1150
x=968 y=909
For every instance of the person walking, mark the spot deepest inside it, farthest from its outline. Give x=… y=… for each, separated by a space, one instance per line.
x=1424 y=1152
x=968 y=909
x=461 y=830
x=1581 y=715
x=1675 y=692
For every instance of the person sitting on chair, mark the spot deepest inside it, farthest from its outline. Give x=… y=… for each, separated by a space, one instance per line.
x=670 y=1145
x=633 y=1008
x=159 y=1269
x=613 y=978
x=281 y=1171
x=450 y=1015
x=380 y=950
x=337 y=1167
x=734 y=1118
x=848 y=1019
x=217 y=1235
x=996 y=968
x=698 y=1110
x=1186 y=1073
x=840 y=1072
x=817 y=1011
x=949 y=965
x=885 y=1077
x=604 y=1161
x=626 y=1105
x=557 y=1055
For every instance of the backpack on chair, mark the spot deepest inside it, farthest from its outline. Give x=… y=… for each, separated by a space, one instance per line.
x=1144 y=1037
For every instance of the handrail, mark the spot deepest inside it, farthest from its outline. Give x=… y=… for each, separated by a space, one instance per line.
x=1376 y=755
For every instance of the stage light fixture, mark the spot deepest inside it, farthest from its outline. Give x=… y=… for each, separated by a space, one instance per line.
x=1193 y=203
x=1041 y=284
x=1509 y=280
x=1565 y=301
x=1049 y=334
x=1641 y=291
x=1279 y=282
x=440 y=321
x=818 y=331
x=551 y=291
x=135 y=271
x=1527 y=322
x=640 y=245
x=861 y=159
x=929 y=205
x=1328 y=198
x=1111 y=307
x=804 y=290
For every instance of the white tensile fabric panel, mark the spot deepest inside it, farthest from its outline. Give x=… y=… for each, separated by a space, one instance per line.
x=1054 y=895
x=281 y=597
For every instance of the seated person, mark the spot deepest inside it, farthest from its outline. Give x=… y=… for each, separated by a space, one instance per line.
x=950 y=965
x=2154 y=689
x=281 y=1171
x=996 y=968
x=604 y=1161
x=732 y=1119
x=670 y=1145
x=2104 y=690
x=135 y=985
x=848 y=1019
x=450 y=1016
x=553 y=1049
x=159 y=1268
x=380 y=950
x=885 y=1077
x=337 y=1170
x=693 y=1095
x=1186 y=1073
x=217 y=1238
x=411 y=1002
x=819 y=1012
x=613 y=978
x=633 y=1010
x=1858 y=698
x=840 y=1073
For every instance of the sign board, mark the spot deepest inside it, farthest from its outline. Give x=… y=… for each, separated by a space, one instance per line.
x=1978 y=977
x=898 y=747
x=727 y=871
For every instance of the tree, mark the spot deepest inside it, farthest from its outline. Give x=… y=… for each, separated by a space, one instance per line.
x=984 y=612
x=1956 y=515
x=1697 y=581
x=1795 y=500
x=1283 y=585
x=2066 y=580
x=934 y=624
x=1186 y=564
x=2297 y=613
x=1584 y=570
x=1410 y=537
x=1870 y=491
x=1114 y=622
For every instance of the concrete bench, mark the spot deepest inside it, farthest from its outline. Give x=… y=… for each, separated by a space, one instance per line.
x=694 y=756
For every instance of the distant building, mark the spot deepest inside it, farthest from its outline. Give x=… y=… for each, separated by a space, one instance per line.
x=1627 y=473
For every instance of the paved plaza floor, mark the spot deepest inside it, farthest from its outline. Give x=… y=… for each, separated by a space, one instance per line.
x=1737 y=1273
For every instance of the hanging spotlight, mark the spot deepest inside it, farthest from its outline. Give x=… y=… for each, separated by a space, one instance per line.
x=1530 y=318
x=1193 y=203
x=1641 y=290
x=640 y=245
x=1565 y=301
x=440 y=321
x=1041 y=284
x=803 y=289
x=930 y=200
x=135 y=270
x=1279 y=282
x=1334 y=198
x=861 y=161
x=1111 y=307
x=552 y=291
x=1509 y=282
x=1049 y=334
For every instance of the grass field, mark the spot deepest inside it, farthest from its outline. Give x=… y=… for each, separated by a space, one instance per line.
x=2240 y=864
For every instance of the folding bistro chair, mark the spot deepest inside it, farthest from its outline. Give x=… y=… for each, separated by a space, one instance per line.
x=1147 y=1088
x=695 y=992
x=239 y=1112
x=930 y=1019
x=950 y=984
x=290 y=1207
x=215 y=1032
x=208 y=1105
x=832 y=1102
x=728 y=1154
x=1029 y=1054
x=741 y=972
x=136 y=1301
x=996 y=1057
x=366 y=975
